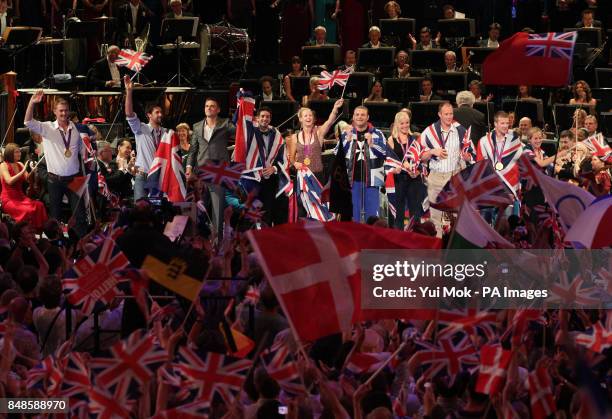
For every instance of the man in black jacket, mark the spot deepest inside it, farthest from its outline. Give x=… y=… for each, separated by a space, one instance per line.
x=209 y=142
x=467 y=116
x=133 y=18
x=119 y=182
x=105 y=74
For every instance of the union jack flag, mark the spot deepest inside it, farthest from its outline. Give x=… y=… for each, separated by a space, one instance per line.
x=328 y=80
x=281 y=366
x=106 y=405
x=211 y=373
x=103 y=189
x=479 y=184
x=469 y=321
x=166 y=172
x=92 y=281
x=551 y=45
x=222 y=174
x=494 y=362
x=243 y=120
x=598 y=146
x=134 y=360
x=597 y=340
x=195 y=410
x=133 y=60
x=567 y=292
x=527 y=171
x=46 y=376
x=446 y=355
x=540 y=394
x=77 y=378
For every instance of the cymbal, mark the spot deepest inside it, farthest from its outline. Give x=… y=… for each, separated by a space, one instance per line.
x=49 y=41
x=104 y=18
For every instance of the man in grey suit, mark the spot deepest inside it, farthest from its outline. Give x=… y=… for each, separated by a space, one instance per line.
x=209 y=143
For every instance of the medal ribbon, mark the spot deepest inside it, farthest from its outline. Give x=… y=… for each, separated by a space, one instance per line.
x=66 y=143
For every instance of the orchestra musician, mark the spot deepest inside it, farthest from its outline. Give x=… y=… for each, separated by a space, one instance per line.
x=6 y=18
x=133 y=19
x=105 y=74
x=177 y=11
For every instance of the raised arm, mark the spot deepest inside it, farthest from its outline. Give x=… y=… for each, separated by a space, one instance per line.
x=323 y=129
x=129 y=102
x=36 y=98
x=10 y=180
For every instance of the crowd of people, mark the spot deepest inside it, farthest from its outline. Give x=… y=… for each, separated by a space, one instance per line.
x=79 y=211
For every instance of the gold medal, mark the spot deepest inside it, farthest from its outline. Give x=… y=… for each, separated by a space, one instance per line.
x=499 y=166
x=68 y=153
x=307 y=161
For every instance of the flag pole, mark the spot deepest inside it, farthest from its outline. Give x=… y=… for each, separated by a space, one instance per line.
x=393 y=355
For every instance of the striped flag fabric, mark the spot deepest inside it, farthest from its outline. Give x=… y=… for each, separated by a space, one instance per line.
x=597 y=339
x=222 y=173
x=310 y=192
x=473 y=232
x=540 y=394
x=449 y=355
x=243 y=116
x=366 y=362
x=494 y=362
x=166 y=172
x=280 y=364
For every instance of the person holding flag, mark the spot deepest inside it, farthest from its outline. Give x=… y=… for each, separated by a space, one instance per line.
x=148 y=137
x=441 y=144
x=304 y=153
x=63 y=146
x=409 y=186
x=365 y=152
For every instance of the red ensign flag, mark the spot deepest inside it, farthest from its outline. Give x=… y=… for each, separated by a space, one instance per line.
x=532 y=59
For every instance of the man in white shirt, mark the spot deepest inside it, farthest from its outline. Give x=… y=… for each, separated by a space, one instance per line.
x=450 y=60
x=105 y=74
x=374 y=36
x=64 y=153
x=5 y=20
x=493 y=40
x=441 y=142
x=148 y=137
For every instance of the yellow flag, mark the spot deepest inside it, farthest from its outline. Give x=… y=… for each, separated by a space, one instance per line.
x=172 y=276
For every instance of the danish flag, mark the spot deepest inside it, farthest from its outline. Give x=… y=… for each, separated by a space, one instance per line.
x=494 y=361
x=133 y=60
x=366 y=362
x=281 y=366
x=133 y=360
x=479 y=184
x=446 y=355
x=213 y=372
x=222 y=174
x=540 y=394
x=328 y=80
x=92 y=281
x=599 y=339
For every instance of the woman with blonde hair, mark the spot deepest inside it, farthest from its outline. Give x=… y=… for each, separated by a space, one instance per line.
x=315 y=93
x=304 y=153
x=183 y=130
x=410 y=190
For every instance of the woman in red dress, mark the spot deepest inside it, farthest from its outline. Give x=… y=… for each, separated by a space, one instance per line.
x=14 y=201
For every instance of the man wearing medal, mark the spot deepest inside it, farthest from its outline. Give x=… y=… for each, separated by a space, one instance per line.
x=441 y=144
x=64 y=153
x=503 y=147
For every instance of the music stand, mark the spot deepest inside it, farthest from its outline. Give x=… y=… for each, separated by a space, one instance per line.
x=603 y=77
x=456 y=28
x=174 y=31
x=376 y=57
x=21 y=37
x=397 y=28
x=455 y=80
x=321 y=108
x=281 y=111
x=487 y=108
x=530 y=108
x=81 y=30
x=564 y=114
x=326 y=55
x=382 y=114
x=606 y=123
x=402 y=90
x=432 y=59
x=359 y=85
x=591 y=36
x=604 y=98
x=424 y=113
x=478 y=54
x=300 y=86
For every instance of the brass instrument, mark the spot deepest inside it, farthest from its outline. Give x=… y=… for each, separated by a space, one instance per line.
x=141 y=43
